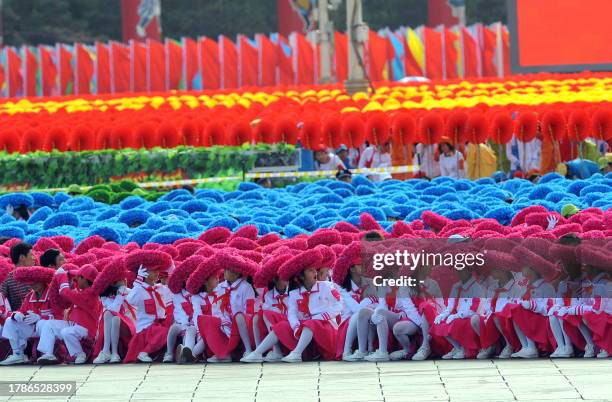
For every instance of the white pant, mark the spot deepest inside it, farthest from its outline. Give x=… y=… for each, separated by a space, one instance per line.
x=18 y=333
x=49 y=333
x=72 y=336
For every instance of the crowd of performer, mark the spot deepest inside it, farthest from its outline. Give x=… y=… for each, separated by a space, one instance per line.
x=304 y=299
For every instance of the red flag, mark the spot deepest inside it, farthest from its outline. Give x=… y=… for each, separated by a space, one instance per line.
x=248 y=62
x=174 y=63
x=433 y=53
x=121 y=67
x=489 y=45
x=103 y=79
x=411 y=65
x=268 y=61
x=84 y=70
x=66 y=77
x=470 y=57
x=156 y=66
x=209 y=56
x=31 y=64
x=228 y=58
x=376 y=56
x=286 y=73
x=450 y=54
x=138 y=62
x=304 y=61
x=190 y=61
x=506 y=51
x=15 y=81
x=341 y=45
x=48 y=72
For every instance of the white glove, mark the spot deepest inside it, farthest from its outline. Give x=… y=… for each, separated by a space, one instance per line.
x=554 y=309
x=526 y=304
x=376 y=318
x=9 y=209
x=440 y=318
x=451 y=318
x=123 y=290
x=142 y=272
x=60 y=271
x=561 y=311
x=31 y=318
x=18 y=316
x=552 y=222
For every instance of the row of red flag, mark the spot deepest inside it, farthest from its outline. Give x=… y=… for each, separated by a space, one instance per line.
x=204 y=63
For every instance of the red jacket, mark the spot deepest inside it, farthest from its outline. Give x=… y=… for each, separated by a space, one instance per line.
x=86 y=306
x=41 y=305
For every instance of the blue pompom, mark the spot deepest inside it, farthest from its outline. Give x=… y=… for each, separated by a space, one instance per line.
x=194 y=206
x=305 y=222
x=166 y=238
x=247 y=186
x=158 y=207
x=40 y=215
x=6 y=218
x=331 y=199
x=12 y=231
x=61 y=219
x=548 y=177
x=460 y=213
x=502 y=214
x=132 y=201
x=142 y=236
x=204 y=194
x=360 y=180
x=107 y=214
x=42 y=200
x=175 y=227
x=177 y=195
x=77 y=204
x=595 y=188
x=108 y=232
x=364 y=190
x=16 y=200
x=60 y=198
x=134 y=217
x=174 y=214
x=293 y=230
x=225 y=222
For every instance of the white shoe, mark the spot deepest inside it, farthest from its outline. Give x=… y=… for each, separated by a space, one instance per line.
x=115 y=358
x=14 y=359
x=144 y=357
x=80 y=358
x=603 y=354
x=526 y=353
x=398 y=355
x=355 y=357
x=450 y=354
x=422 y=354
x=378 y=356
x=252 y=358
x=485 y=353
x=185 y=356
x=506 y=352
x=564 y=353
x=46 y=359
x=168 y=358
x=589 y=351
x=273 y=357
x=459 y=355
x=102 y=358
x=216 y=359
x=292 y=357
x=558 y=352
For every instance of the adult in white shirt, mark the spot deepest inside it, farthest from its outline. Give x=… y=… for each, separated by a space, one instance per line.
x=451 y=161
x=426 y=157
x=529 y=156
x=325 y=160
x=376 y=157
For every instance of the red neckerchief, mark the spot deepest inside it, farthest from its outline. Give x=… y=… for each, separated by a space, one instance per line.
x=207 y=306
x=154 y=294
x=225 y=298
x=280 y=302
x=498 y=291
x=127 y=306
x=303 y=304
x=368 y=163
x=357 y=294
x=528 y=290
x=187 y=306
x=391 y=298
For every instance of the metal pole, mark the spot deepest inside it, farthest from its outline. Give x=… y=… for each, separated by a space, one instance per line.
x=357 y=34
x=324 y=42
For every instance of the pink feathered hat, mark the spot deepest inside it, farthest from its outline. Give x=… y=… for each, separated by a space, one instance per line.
x=329 y=257
x=350 y=256
x=235 y=262
x=32 y=275
x=218 y=234
x=269 y=269
x=327 y=237
x=247 y=232
x=89 y=243
x=304 y=260
x=151 y=260
x=113 y=271
x=5 y=268
x=181 y=273
x=243 y=243
x=208 y=267
x=187 y=249
x=528 y=258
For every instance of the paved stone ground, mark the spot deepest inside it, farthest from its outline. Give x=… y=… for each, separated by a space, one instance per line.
x=469 y=380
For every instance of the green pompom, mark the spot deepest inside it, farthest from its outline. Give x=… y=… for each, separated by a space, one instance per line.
x=100 y=195
x=128 y=185
x=74 y=189
x=118 y=197
x=100 y=187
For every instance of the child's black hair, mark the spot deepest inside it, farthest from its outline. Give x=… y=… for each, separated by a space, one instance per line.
x=23 y=212
x=346 y=284
x=110 y=291
x=49 y=257
x=18 y=250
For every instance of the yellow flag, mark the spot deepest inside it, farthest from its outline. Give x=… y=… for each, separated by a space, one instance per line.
x=415 y=44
